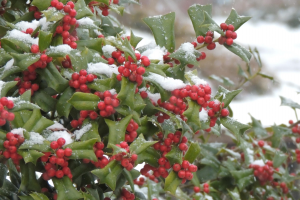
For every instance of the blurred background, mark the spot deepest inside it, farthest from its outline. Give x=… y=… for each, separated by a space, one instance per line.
x=274 y=30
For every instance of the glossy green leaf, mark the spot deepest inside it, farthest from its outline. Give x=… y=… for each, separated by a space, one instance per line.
x=81 y=150
x=162 y=28
x=3 y=172
x=23 y=61
x=53 y=78
x=44 y=101
x=65 y=189
x=196 y=13
x=147 y=127
x=30 y=155
x=82 y=10
x=279 y=158
x=91 y=133
x=129 y=178
x=172 y=182
x=193 y=152
x=37 y=123
x=149 y=156
x=53 y=15
x=140 y=144
x=45 y=147
x=13 y=173
x=45 y=39
x=174 y=156
x=243 y=178
x=192 y=114
x=125 y=111
x=38 y=196
x=9 y=69
x=21 y=118
x=117 y=129
x=279 y=133
x=134 y=40
x=225 y=95
x=29 y=181
x=259 y=131
x=248 y=152
x=109 y=174
x=235 y=194
x=6 y=86
x=236 y=20
x=157 y=68
x=224 y=80
x=84 y=101
x=116 y=149
x=42 y=5
x=234 y=126
x=239 y=51
x=126 y=95
x=63 y=107
x=288 y=102
x=102 y=84
x=186 y=54
x=95 y=44
x=23 y=102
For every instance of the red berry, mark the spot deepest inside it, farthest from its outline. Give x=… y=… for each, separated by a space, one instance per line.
x=183 y=147
x=71 y=4
x=229 y=41
x=61 y=142
x=196 y=189
x=230 y=27
x=34 y=48
x=74 y=123
x=68 y=152
x=59 y=174
x=176 y=167
x=53 y=145
x=224 y=26
x=211 y=46
x=59 y=6
x=90 y=77
x=224 y=112
x=200 y=39
x=261 y=143
x=181 y=174
x=208 y=39
x=83 y=72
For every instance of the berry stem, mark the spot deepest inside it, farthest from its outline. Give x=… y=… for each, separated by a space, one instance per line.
x=248 y=79
x=294 y=124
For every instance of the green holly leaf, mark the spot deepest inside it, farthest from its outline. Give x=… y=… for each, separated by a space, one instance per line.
x=42 y=5
x=117 y=129
x=126 y=95
x=162 y=28
x=239 y=51
x=95 y=44
x=24 y=60
x=192 y=114
x=84 y=149
x=23 y=102
x=6 y=86
x=226 y=96
x=63 y=108
x=13 y=173
x=196 y=13
x=38 y=196
x=45 y=147
x=259 y=131
x=134 y=40
x=236 y=20
x=290 y=103
x=140 y=144
x=92 y=132
x=65 y=189
x=235 y=194
x=157 y=68
x=172 y=182
x=223 y=80
x=165 y=95
x=3 y=172
x=278 y=135
x=279 y=158
x=21 y=118
x=44 y=40
x=28 y=177
x=30 y=155
x=193 y=78
x=9 y=69
x=102 y=84
x=109 y=174
x=248 y=152
x=44 y=101
x=82 y=10
x=174 y=156
x=53 y=15
x=84 y=101
x=243 y=178
x=129 y=178
x=147 y=127
x=193 y=152
x=234 y=126
x=186 y=54
x=116 y=149
x=149 y=156
x=37 y=123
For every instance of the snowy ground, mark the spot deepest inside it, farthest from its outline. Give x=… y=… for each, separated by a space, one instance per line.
x=279 y=46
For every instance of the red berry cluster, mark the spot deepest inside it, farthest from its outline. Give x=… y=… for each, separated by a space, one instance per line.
x=145 y=171
x=126 y=195
x=185 y=170
x=216 y=111
x=66 y=63
x=297 y=151
x=57 y=166
x=79 y=81
x=164 y=146
x=26 y=84
x=4 y=114
x=83 y=115
x=205 y=188
x=295 y=129
x=230 y=35
x=11 y=145
x=127 y=161
x=42 y=62
x=68 y=21
x=208 y=39
x=131 y=129
x=102 y=160
x=103 y=7
x=140 y=181
x=132 y=71
x=263 y=173
x=108 y=103
x=282 y=185
x=37 y=14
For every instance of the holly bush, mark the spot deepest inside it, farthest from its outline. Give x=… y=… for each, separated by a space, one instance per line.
x=85 y=114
